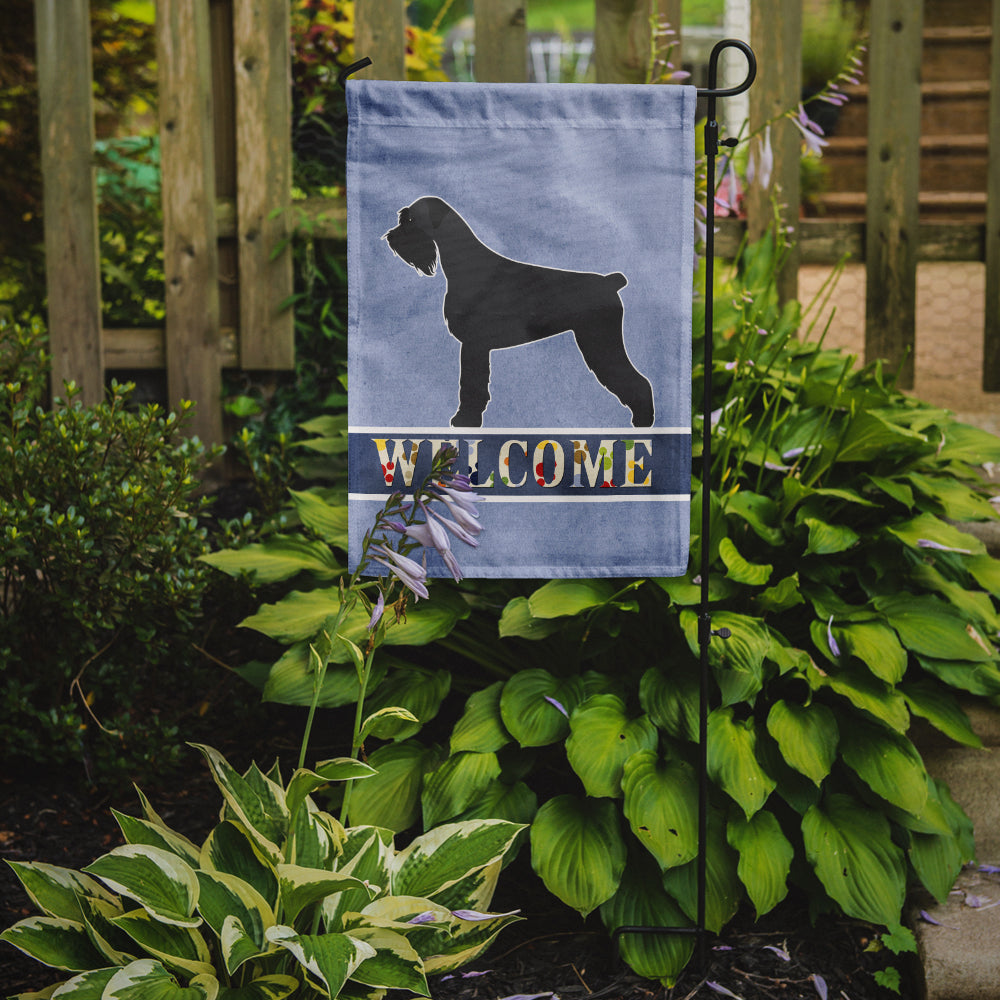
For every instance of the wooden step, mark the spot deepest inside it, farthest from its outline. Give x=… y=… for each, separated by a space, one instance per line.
x=956 y=53
x=957 y=206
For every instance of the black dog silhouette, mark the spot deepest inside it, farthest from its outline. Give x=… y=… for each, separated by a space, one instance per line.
x=492 y=302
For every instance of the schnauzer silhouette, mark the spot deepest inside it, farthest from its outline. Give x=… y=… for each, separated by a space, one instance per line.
x=492 y=302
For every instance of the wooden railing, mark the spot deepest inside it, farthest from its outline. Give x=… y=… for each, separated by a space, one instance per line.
x=226 y=161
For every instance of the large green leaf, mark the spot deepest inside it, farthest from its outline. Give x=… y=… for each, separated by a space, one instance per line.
x=516 y=803
x=661 y=799
x=280 y=557
x=732 y=760
x=328 y=520
x=147 y=979
x=54 y=941
x=671 y=699
x=739 y=569
x=481 y=728
x=602 y=738
x=56 y=891
x=976 y=678
x=641 y=901
x=291 y=680
x=870 y=435
x=391 y=798
x=941 y=709
x=783 y=595
x=559 y=598
x=517 y=620
x=932 y=628
x=330 y=959
x=456 y=784
x=274 y=987
x=164 y=885
x=957 y=501
x=876 y=646
x=765 y=858
x=578 y=851
x=304 y=782
x=758 y=511
x=828 y=539
x=866 y=692
x=850 y=848
x=807 y=736
x=419 y=690
x=535 y=706
x=927 y=528
x=738 y=661
x=888 y=763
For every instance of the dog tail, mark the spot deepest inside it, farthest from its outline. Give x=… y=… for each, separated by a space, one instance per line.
x=617 y=279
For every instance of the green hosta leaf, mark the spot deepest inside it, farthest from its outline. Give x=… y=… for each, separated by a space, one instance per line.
x=602 y=738
x=147 y=979
x=765 y=858
x=443 y=856
x=937 y=860
x=758 y=511
x=517 y=620
x=558 y=598
x=738 y=661
x=807 y=736
x=928 y=528
x=275 y=987
x=869 y=436
x=260 y=809
x=976 y=678
x=515 y=803
x=415 y=689
x=159 y=881
x=395 y=964
x=279 y=558
x=530 y=706
x=986 y=571
x=671 y=700
x=876 y=646
x=683 y=591
x=893 y=488
x=98 y=916
x=141 y=831
x=291 y=680
x=723 y=889
x=301 y=887
x=456 y=784
x=225 y=897
x=481 y=728
x=330 y=959
x=976 y=605
x=956 y=500
x=230 y=849
x=828 y=539
x=865 y=692
x=783 y=595
x=941 y=709
x=238 y=944
x=931 y=628
x=739 y=569
x=54 y=941
x=391 y=798
x=641 y=901
x=661 y=798
x=385 y=723
x=732 y=760
x=965 y=443
x=850 y=847
x=180 y=948
x=888 y=763
x=327 y=520
x=578 y=851
x=56 y=891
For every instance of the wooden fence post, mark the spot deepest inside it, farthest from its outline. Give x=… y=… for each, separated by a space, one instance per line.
x=190 y=252
x=991 y=333
x=501 y=37
x=72 y=256
x=622 y=40
x=262 y=61
x=380 y=34
x=776 y=35
x=893 y=183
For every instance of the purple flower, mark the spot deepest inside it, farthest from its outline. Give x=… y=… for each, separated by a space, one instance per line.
x=457 y=530
x=558 y=705
x=719 y=988
x=780 y=952
x=377 y=611
x=927 y=543
x=410 y=573
x=475 y=915
x=427 y=917
x=811 y=132
x=761 y=163
x=834 y=648
x=820 y=983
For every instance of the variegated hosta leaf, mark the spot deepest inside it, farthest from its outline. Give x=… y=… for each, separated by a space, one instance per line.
x=888 y=763
x=256 y=801
x=661 y=799
x=304 y=782
x=395 y=964
x=765 y=858
x=56 y=891
x=468 y=939
x=602 y=737
x=177 y=947
x=642 y=902
x=391 y=799
x=54 y=941
x=441 y=857
x=225 y=897
x=481 y=727
x=116 y=947
x=274 y=987
x=315 y=838
x=367 y=853
x=149 y=980
x=158 y=880
x=807 y=736
x=476 y=890
x=578 y=851
x=300 y=887
x=732 y=760
x=86 y=986
x=456 y=784
x=141 y=831
x=230 y=849
x=329 y=959
x=535 y=706
x=850 y=847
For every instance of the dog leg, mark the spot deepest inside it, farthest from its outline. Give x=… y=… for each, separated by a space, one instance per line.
x=474 y=387
x=603 y=348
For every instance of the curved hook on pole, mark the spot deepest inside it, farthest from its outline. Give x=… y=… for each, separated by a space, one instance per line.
x=353 y=68
x=713 y=69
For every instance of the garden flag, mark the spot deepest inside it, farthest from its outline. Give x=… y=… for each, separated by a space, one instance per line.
x=520 y=262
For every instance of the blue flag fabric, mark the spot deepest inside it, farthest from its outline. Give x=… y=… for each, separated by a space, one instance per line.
x=520 y=261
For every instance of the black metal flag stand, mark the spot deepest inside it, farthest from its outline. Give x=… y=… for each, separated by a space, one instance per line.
x=705 y=631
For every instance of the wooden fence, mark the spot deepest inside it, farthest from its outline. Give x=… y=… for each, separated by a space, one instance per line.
x=226 y=161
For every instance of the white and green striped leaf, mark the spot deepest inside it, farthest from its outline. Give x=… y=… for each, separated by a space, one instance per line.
x=142 y=831
x=56 y=891
x=301 y=887
x=329 y=959
x=395 y=964
x=225 y=897
x=55 y=941
x=177 y=947
x=273 y=987
x=147 y=979
x=229 y=848
x=86 y=986
x=304 y=782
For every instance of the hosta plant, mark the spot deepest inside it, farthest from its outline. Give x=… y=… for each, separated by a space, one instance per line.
x=279 y=900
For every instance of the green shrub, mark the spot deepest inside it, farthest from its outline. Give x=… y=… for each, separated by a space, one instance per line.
x=99 y=539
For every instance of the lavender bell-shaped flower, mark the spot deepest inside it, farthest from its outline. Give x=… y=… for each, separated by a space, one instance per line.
x=410 y=573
